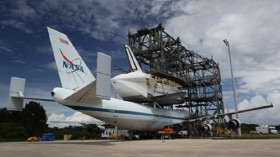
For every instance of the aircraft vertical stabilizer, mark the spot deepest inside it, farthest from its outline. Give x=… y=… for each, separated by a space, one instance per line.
x=103 y=81
x=73 y=72
x=16 y=94
x=132 y=60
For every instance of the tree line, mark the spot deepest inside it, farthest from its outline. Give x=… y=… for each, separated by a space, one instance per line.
x=18 y=125
x=32 y=121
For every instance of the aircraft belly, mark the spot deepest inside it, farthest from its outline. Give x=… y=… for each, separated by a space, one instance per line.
x=129 y=115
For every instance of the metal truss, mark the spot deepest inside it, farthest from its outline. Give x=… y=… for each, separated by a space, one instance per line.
x=162 y=55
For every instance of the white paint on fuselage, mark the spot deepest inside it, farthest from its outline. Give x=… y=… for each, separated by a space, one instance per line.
x=124 y=114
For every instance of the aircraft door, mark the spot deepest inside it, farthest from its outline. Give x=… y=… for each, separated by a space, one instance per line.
x=150 y=85
x=115 y=114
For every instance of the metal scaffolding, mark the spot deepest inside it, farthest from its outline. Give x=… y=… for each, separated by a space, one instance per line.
x=162 y=55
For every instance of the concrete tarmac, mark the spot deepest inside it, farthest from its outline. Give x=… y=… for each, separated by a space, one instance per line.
x=143 y=148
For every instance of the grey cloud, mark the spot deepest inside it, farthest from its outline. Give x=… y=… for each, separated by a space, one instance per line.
x=252 y=29
x=101 y=19
x=16 y=24
x=5 y=47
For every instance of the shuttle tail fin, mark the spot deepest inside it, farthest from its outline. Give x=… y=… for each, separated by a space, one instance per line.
x=132 y=60
x=73 y=72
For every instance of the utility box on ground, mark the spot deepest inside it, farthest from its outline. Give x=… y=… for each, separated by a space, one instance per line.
x=48 y=137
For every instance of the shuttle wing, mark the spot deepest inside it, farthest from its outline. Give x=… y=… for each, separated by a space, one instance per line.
x=174 y=98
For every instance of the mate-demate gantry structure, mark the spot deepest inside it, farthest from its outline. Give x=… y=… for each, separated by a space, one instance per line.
x=161 y=55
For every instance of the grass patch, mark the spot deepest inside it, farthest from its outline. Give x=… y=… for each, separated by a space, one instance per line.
x=254 y=136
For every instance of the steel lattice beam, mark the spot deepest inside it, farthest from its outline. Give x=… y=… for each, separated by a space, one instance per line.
x=162 y=55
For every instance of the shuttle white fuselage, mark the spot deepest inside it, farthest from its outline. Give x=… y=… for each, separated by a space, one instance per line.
x=142 y=86
x=138 y=86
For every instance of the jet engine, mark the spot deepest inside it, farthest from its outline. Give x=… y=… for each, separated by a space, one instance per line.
x=234 y=124
x=206 y=128
x=94 y=128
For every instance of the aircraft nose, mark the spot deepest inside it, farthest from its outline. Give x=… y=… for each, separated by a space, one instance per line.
x=116 y=79
x=52 y=93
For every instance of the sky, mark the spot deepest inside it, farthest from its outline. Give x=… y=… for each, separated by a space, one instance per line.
x=251 y=27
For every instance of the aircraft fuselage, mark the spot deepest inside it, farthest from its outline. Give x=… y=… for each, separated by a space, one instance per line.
x=124 y=114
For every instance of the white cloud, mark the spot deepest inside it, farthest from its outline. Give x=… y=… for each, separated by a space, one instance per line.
x=252 y=28
x=102 y=20
x=5 y=47
x=52 y=65
x=45 y=50
x=259 y=80
x=16 y=24
x=75 y=119
x=265 y=116
x=22 y=10
x=19 y=61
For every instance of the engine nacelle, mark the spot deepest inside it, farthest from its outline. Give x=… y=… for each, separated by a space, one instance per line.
x=206 y=128
x=234 y=124
x=101 y=127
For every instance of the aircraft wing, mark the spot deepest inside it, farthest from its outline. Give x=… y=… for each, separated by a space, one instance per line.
x=203 y=118
x=200 y=119
x=247 y=110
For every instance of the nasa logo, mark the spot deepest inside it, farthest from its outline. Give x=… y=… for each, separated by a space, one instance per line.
x=72 y=67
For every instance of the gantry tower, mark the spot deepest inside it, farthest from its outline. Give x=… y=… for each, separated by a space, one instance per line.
x=161 y=55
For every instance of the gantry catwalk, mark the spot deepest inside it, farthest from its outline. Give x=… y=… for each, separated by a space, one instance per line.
x=161 y=55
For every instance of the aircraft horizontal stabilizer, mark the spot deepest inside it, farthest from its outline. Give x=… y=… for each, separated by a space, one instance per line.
x=39 y=99
x=16 y=94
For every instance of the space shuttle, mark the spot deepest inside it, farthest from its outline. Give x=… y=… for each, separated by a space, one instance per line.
x=141 y=87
